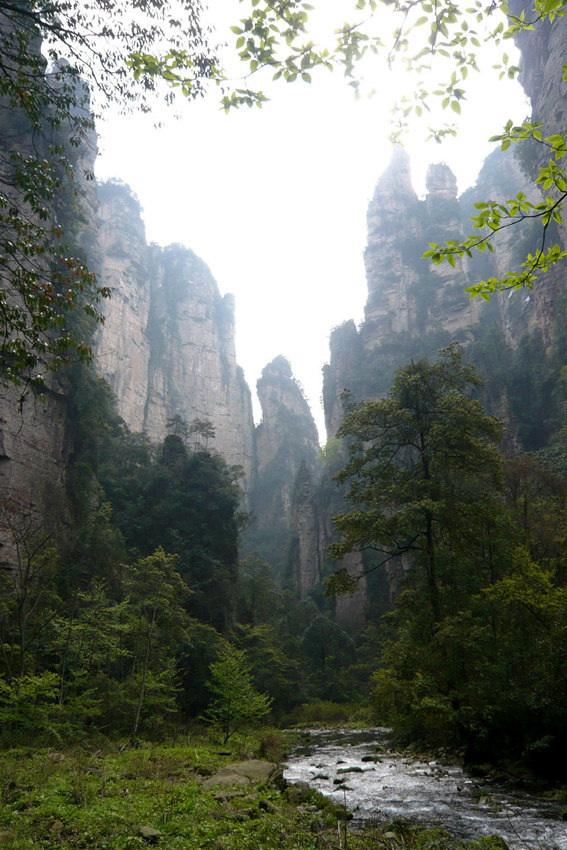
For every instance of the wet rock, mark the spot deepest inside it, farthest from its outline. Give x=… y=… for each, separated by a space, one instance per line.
x=298 y=793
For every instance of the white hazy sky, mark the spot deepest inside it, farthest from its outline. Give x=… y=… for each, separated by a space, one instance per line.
x=274 y=200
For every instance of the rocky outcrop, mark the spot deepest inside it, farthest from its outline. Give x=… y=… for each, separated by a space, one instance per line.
x=412 y=310
x=167 y=346
x=341 y=373
x=543 y=48
x=518 y=338
x=122 y=347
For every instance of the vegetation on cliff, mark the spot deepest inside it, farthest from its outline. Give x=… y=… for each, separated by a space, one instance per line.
x=58 y=59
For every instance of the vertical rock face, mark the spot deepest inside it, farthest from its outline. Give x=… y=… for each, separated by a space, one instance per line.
x=33 y=462
x=341 y=372
x=287 y=426
x=543 y=51
x=167 y=345
x=404 y=295
x=519 y=339
x=393 y=237
x=305 y=561
x=34 y=438
x=285 y=439
x=122 y=347
x=412 y=310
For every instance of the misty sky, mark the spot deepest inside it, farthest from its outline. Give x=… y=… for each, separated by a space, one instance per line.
x=274 y=200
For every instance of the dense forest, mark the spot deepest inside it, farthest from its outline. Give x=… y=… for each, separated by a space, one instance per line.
x=117 y=630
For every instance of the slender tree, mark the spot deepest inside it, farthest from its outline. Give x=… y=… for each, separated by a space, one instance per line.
x=236 y=703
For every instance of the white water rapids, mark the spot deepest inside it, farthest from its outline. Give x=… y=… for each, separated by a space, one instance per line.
x=357 y=769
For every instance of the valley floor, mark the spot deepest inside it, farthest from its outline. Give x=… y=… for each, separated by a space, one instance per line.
x=105 y=796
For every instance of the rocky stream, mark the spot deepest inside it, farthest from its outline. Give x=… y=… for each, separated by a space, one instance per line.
x=359 y=769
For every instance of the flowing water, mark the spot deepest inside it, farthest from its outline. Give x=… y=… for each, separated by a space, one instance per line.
x=356 y=768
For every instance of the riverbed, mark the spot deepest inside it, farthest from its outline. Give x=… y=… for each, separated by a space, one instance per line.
x=360 y=769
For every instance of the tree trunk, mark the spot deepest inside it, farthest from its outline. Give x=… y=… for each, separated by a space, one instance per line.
x=144 y=673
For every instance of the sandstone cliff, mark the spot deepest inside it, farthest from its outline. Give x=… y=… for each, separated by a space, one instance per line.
x=34 y=450
x=35 y=444
x=543 y=51
x=517 y=340
x=412 y=309
x=167 y=345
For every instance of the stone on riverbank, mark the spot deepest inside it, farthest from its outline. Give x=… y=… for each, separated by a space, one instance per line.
x=252 y=772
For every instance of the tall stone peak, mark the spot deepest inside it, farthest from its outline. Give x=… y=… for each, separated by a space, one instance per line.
x=287 y=426
x=167 y=346
x=407 y=299
x=286 y=441
x=280 y=367
x=397 y=175
x=440 y=180
x=279 y=390
x=340 y=373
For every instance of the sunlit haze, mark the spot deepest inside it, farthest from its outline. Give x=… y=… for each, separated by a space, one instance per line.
x=274 y=200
